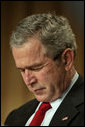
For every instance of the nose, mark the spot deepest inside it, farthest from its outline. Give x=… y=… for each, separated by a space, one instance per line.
x=27 y=73
x=29 y=77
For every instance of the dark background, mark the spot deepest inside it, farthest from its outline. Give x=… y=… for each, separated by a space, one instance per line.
x=13 y=90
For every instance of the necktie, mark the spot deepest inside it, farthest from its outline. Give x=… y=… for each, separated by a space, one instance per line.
x=39 y=115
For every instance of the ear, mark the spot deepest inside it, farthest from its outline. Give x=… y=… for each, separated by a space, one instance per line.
x=68 y=58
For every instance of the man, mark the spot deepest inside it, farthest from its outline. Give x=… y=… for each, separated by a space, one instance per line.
x=44 y=50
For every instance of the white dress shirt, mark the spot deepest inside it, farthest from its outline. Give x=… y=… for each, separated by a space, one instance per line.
x=50 y=113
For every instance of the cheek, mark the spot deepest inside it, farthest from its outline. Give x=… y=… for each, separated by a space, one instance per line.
x=51 y=76
x=41 y=76
x=47 y=75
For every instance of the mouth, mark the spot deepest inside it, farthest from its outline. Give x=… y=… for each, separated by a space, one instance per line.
x=39 y=91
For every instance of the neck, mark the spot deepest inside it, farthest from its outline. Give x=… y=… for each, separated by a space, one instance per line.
x=68 y=77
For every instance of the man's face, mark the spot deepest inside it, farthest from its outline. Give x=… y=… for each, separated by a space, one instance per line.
x=43 y=77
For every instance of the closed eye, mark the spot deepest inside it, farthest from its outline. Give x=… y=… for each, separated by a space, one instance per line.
x=32 y=68
x=36 y=68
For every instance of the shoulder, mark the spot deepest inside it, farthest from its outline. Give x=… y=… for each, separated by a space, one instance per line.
x=20 y=115
x=26 y=106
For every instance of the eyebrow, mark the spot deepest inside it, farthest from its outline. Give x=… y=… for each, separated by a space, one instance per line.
x=29 y=67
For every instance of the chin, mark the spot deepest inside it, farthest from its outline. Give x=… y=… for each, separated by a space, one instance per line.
x=42 y=99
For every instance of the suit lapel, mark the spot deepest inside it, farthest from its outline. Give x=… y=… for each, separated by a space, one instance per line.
x=67 y=110
x=65 y=113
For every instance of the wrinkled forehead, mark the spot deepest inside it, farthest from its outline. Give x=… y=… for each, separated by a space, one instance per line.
x=31 y=51
x=31 y=46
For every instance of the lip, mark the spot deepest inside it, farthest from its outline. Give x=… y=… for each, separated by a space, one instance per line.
x=39 y=91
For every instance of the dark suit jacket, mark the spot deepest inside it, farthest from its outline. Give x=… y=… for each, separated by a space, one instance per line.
x=71 y=107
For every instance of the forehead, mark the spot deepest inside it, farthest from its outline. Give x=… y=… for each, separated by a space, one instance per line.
x=29 y=53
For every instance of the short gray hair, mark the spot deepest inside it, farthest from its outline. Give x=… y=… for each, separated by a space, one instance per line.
x=54 y=32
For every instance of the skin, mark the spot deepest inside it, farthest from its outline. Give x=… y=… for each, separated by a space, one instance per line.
x=45 y=78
